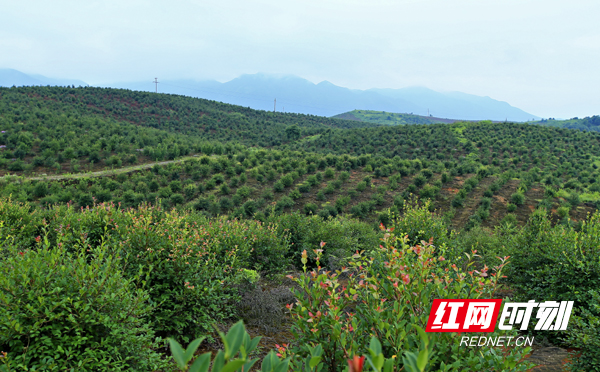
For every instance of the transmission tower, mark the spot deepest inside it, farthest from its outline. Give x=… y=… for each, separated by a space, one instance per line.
x=156 y=84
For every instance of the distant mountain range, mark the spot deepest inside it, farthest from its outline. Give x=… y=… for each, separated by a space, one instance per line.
x=294 y=94
x=10 y=77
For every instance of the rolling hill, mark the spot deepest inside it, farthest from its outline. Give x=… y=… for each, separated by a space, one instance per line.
x=250 y=161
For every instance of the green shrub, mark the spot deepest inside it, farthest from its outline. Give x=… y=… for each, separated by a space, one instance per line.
x=429 y=191
x=239 y=346
x=284 y=202
x=509 y=219
x=278 y=186
x=304 y=187
x=378 y=199
x=295 y=194
x=287 y=180
x=483 y=213
x=573 y=199
x=387 y=303
x=362 y=209
x=556 y=263
x=563 y=211
x=421 y=225
x=181 y=247
x=345 y=235
x=344 y=176
x=177 y=199
x=445 y=177
x=457 y=202
x=584 y=333
x=361 y=186
x=320 y=195
x=62 y=311
x=328 y=211
x=310 y=208
x=419 y=180
x=518 y=198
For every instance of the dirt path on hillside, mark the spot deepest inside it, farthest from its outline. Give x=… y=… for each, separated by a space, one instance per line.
x=108 y=172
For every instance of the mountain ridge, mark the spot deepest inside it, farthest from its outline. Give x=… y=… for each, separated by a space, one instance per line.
x=290 y=93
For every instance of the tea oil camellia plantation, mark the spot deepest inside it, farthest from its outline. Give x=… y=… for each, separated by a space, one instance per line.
x=130 y=218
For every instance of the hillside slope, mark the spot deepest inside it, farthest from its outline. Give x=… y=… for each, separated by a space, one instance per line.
x=53 y=127
x=252 y=162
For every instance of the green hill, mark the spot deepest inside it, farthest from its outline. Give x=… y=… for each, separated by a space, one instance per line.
x=588 y=123
x=250 y=161
x=60 y=129
x=390 y=118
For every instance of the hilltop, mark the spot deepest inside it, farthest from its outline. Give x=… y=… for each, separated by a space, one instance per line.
x=391 y=118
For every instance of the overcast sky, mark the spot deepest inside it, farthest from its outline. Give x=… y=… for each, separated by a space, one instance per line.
x=542 y=56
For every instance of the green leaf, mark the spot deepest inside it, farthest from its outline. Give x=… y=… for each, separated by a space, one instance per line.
x=266 y=363
x=235 y=337
x=201 y=363
x=249 y=364
x=233 y=365
x=375 y=346
x=314 y=361
x=253 y=344
x=283 y=365
x=178 y=353
x=423 y=335
x=422 y=359
x=191 y=349
x=388 y=366
x=378 y=361
x=218 y=362
x=409 y=361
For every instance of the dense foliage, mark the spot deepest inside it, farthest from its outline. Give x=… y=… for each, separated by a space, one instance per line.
x=590 y=123
x=62 y=310
x=390 y=294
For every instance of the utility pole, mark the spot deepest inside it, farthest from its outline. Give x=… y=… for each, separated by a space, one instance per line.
x=156 y=84
x=274 y=104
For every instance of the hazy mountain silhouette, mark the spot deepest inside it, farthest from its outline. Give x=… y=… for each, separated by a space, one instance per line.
x=295 y=94
x=10 y=77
